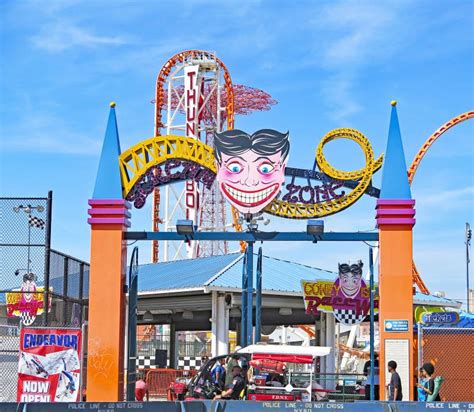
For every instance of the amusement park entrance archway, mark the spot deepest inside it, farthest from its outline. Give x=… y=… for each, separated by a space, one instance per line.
x=163 y=160
x=250 y=237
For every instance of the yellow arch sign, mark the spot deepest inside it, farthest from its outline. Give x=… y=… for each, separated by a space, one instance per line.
x=139 y=160
x=363 y=176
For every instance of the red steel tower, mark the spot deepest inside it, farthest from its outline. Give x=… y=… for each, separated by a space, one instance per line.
x=195 y=93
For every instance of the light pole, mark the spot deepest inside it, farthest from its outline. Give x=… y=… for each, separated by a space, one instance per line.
x=467 y=242
x=28 y=209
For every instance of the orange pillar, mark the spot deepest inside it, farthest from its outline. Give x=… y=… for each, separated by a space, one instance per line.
x=395 y=220
x=109 y=219
x=106 y=329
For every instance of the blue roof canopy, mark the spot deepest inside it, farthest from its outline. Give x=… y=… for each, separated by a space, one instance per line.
x=225 y=271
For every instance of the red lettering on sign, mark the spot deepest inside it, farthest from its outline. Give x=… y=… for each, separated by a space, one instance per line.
x=190 y=200
x=191 y=105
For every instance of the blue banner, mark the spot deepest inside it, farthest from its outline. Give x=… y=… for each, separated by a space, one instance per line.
x=437 y=318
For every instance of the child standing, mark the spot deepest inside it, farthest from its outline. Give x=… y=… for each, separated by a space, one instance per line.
x=420 y=386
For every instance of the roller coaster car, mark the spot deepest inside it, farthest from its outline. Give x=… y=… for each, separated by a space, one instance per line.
x=271 y=374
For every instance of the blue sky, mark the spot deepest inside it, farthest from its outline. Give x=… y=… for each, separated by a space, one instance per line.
x=328 y=64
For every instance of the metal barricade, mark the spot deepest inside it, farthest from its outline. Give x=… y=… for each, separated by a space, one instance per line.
x=160 y=380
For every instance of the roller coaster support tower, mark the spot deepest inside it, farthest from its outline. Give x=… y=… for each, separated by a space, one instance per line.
x=198 y=110
x=189 y=87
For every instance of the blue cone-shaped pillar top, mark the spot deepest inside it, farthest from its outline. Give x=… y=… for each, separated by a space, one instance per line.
x=395 y=183
x=108 y=184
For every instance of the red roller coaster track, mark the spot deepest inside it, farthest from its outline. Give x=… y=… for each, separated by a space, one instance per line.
x=414 y=167
x=238 y=99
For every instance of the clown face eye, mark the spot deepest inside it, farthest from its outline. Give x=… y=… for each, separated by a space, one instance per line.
x=266 y=168
x=234 y=167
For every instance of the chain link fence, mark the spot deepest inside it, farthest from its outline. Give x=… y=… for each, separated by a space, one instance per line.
x=451 y=351
x=38 y=286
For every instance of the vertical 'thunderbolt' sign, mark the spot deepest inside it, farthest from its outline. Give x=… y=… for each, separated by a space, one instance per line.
x=49 y=366
x=191 y=99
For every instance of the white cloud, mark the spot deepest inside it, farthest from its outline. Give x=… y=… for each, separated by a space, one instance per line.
x=452 y=202
x=362 y=30
x=356 y=35
x=337 y=91
x=59 y=36
x=451 y=196
x=40 y=132
x=442 y=267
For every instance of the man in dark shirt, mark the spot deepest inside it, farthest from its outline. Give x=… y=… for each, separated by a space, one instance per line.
x=372 y=380
x=395 y=385
x=235 y=388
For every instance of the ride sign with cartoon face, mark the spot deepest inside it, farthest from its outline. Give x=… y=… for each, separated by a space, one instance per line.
x=251 y=168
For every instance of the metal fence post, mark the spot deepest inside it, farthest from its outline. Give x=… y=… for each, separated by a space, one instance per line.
x=243 y=323
x=81 y=291
x=372 y=331
x=420 y=345
x=132 y=325
x=65 y=286
x=47 y=256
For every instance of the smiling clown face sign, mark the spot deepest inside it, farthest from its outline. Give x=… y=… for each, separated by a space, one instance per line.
x=251 y=168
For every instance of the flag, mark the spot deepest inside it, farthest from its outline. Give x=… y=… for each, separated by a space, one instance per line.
x=36 y=222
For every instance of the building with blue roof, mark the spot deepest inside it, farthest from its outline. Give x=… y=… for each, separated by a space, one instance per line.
x=205 y=294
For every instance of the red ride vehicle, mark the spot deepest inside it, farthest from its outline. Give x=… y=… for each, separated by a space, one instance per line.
x=272 y=372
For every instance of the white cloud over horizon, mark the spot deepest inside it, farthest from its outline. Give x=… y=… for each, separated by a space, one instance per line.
x=40 y=132
x=62 y=35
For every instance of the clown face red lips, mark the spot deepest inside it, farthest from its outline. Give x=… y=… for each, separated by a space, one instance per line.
x=249 y=198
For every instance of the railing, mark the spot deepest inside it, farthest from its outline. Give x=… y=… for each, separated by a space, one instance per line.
x=329 y=386
x=160 y=380
x=342 y=386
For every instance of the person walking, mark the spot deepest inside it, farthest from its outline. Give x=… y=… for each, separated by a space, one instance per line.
x=429 y=386
x=395 y=385
x=372 y=380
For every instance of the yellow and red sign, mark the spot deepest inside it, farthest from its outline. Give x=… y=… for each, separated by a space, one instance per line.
x=27 y=305
x=329 y=297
